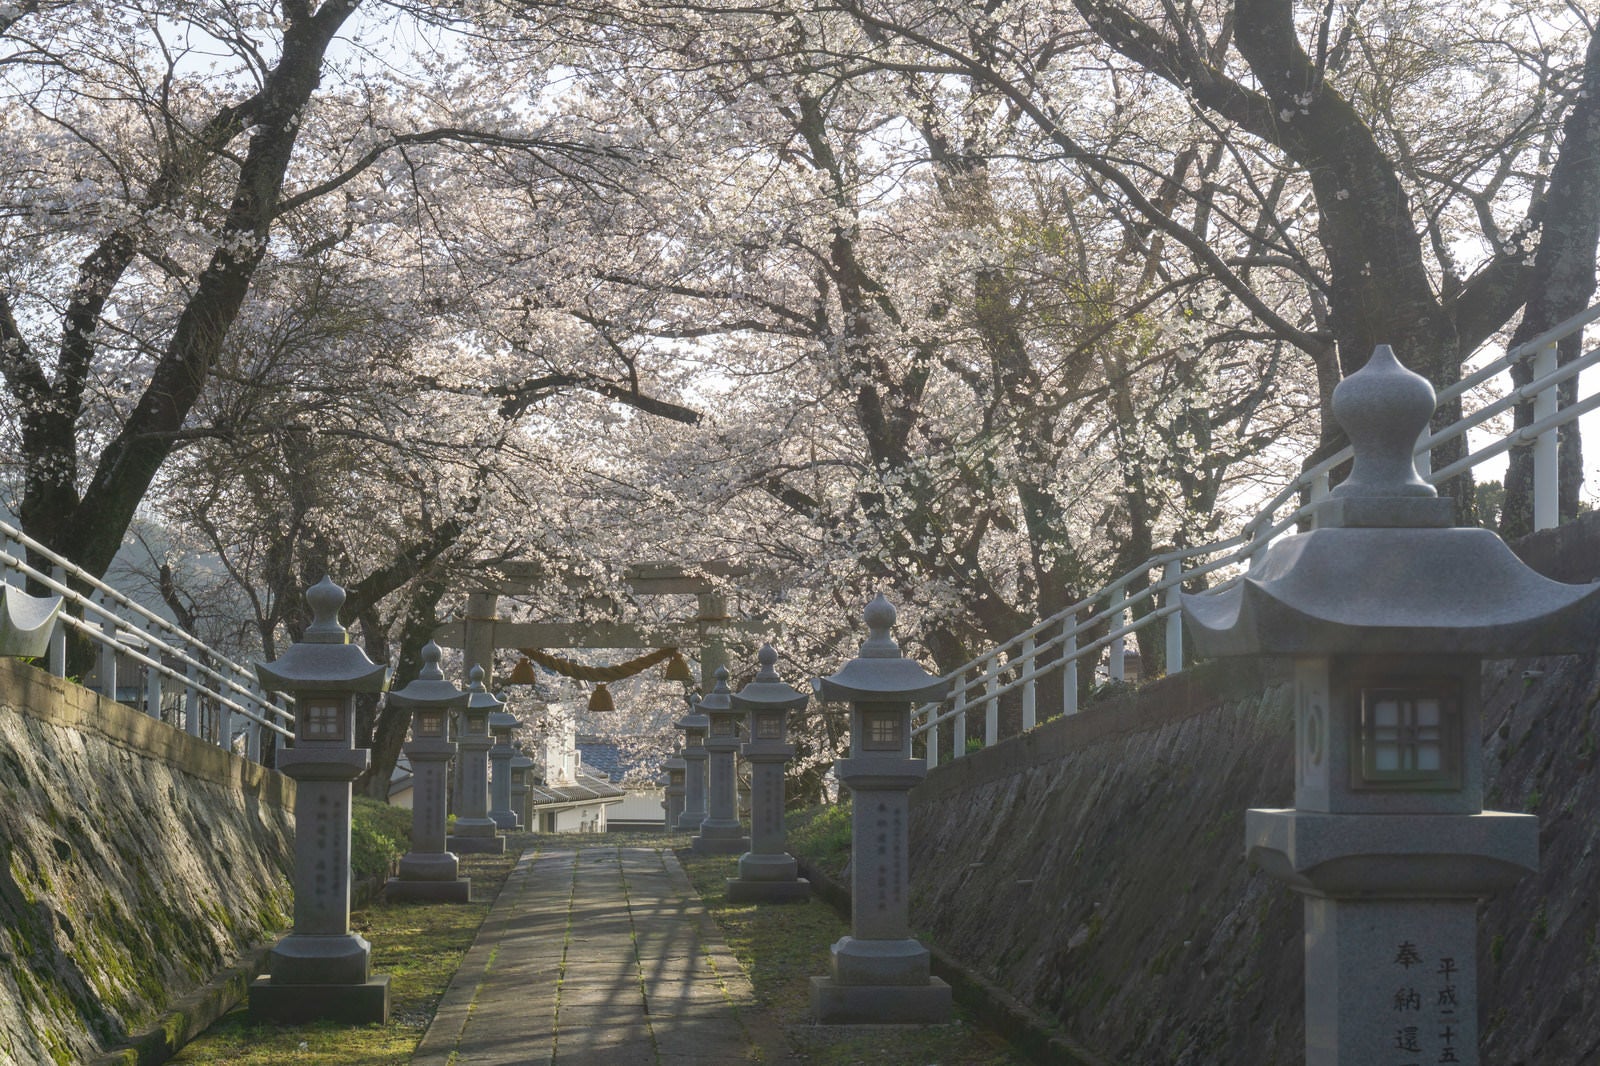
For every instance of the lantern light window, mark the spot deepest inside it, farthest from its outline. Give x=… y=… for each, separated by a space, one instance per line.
x=881 y=730
x=1409 y=737
x=322 y=719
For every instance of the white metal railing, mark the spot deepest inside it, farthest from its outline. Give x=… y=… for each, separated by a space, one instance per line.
x=183 y=681
x=1066 y=641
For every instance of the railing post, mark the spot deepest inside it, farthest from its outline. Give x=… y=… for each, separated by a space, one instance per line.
x=958 y=740
x=108 y=655
x=1258 y=542
x=1172 y=580
x=991 y=703
x=152 y=687
x=58 y=635
x=224 y=725
x=1030 y=713
x=1115 y=652
x=1319 y=492
x=191 y=699
x=1069 y=672
x=1546 y=453
x=932 y=737
x=252 y=733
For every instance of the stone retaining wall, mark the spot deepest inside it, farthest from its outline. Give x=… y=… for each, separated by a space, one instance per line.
x=136 y=862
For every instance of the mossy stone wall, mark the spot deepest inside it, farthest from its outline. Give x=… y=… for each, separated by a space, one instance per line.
x=135 y=863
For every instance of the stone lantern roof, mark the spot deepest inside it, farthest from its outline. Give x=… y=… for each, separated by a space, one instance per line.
x=768 y=692
x=880 y=673
x=503 y=721
x=1386 y=571
x=323 y=659
x=480 y=698
x=718 y=700
x=695 y=719
x=429 y=690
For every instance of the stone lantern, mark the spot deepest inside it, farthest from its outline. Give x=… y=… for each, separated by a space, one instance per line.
x=475 y=830
x=676 y=767
x=880 y=972
x=721 y=833
x=695 y=727
x=1388 y=612
x=501 y=723
x=520 y=767
x=767 y=872
x=429 y=871
x=321 y=969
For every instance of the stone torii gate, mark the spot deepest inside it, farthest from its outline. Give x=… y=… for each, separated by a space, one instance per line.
x=482 y=632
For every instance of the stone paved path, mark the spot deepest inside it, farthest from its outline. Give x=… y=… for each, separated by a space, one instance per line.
x=599 y=955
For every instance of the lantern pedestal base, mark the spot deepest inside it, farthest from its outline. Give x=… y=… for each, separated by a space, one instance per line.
x=833 y=1003
x=399 y=888
x=767 y=866
x=478 y=845
x=312 y=958
x=429 y=866
x=742 y=891
x=721 y=840
x=768 y=878
x=295 y=1003
x=477 y=836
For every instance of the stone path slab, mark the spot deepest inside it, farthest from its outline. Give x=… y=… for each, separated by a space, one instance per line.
x=598 y=956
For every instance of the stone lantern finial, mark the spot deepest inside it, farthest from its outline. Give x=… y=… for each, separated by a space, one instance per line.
x=431 y=653
x=721 y=679
x=767 y=657
x=475 y=679
x=325 y=599
x=880 y=617
x=1383 y=408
